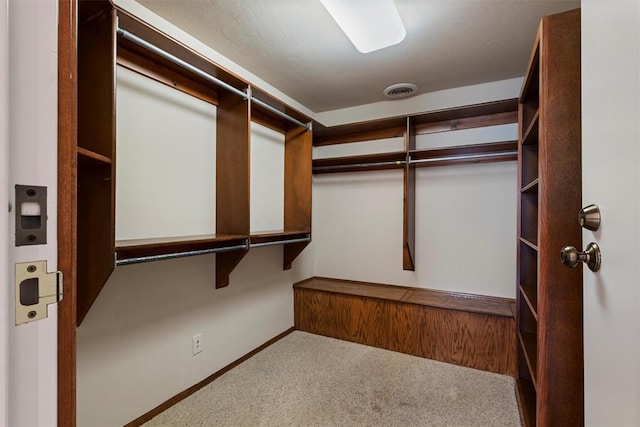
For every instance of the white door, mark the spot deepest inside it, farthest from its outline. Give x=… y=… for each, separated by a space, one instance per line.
x=611 y=179
x=4 y=218
x=30 y=156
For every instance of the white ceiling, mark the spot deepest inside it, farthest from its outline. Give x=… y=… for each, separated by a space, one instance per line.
x=295 y=45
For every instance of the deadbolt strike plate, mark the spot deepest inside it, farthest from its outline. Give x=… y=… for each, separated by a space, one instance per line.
x=35 y=290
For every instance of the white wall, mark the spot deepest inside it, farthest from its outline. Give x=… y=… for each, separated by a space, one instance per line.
x=611 y=179
x=166 y=163
x=466 y=217
x=267 y=179
x=135 y=344
x=431 y=101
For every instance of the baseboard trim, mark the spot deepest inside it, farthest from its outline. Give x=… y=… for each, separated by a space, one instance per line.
x=188 y=392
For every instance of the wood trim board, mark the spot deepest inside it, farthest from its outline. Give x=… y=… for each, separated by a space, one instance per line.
x=67 y=207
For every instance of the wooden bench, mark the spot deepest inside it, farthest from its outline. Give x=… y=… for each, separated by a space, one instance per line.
x=463 y=329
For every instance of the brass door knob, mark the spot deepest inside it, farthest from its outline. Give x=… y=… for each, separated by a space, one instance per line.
x=591 y=256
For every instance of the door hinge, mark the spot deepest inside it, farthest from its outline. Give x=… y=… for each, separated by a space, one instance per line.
x=35 y=291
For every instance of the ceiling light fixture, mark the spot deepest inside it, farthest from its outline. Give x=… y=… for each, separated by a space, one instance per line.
x=369 y=24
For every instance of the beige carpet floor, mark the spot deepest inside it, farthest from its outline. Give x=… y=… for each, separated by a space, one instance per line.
x=310 y=380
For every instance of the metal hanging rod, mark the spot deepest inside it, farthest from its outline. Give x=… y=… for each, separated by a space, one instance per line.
x=280 y=242
x=245 y=95
x=280 y=113
x=166 y=55
x=161 y=257
x=403 y=162
x=359 y=165
x=465 y=157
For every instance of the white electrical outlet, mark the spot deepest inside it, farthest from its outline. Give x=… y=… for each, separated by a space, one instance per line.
x=196 y=343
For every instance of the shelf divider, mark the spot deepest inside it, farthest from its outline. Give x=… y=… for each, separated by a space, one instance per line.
x=527 y=343
x=533 y=185
x=232 y=177
x=529 y=294
x=530 y=241
x=530 y=136
x=527 y=397
x=297 y=189
x=409 y=200
x=93 y=156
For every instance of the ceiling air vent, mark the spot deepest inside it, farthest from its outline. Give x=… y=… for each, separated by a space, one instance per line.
x=400 y=90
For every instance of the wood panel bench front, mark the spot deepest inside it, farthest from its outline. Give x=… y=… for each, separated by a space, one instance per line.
x=463 y=329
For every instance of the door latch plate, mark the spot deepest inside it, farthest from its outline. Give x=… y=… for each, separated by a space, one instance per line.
x=35 y=291
x=31 y=215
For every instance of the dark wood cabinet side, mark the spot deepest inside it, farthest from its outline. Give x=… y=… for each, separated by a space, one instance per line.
x=232 y=178
x=549 y=303
x=297 y=188
x=96 y=148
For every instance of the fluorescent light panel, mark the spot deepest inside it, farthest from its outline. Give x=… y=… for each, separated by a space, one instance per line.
x=369 y=24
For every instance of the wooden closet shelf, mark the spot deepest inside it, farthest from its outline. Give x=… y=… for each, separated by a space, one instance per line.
x=530 y=241
x=279 y=237
x=531 y=187
x=369 y=162
x=359 y=132
x=528 y=346
x=131 y=251
x=489 y=119
x=473 y=153
x=219 y=237
x=530 y=136
x=470 y=116
x=527 y=397
x=531 y=298
x=89 y=156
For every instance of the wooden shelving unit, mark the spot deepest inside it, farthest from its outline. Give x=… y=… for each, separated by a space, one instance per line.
x=472 y=116
x=466 y=117
x=96 y=152
x=298 y=140
x=549 y=295
x=101 y=48
x=297 y=189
